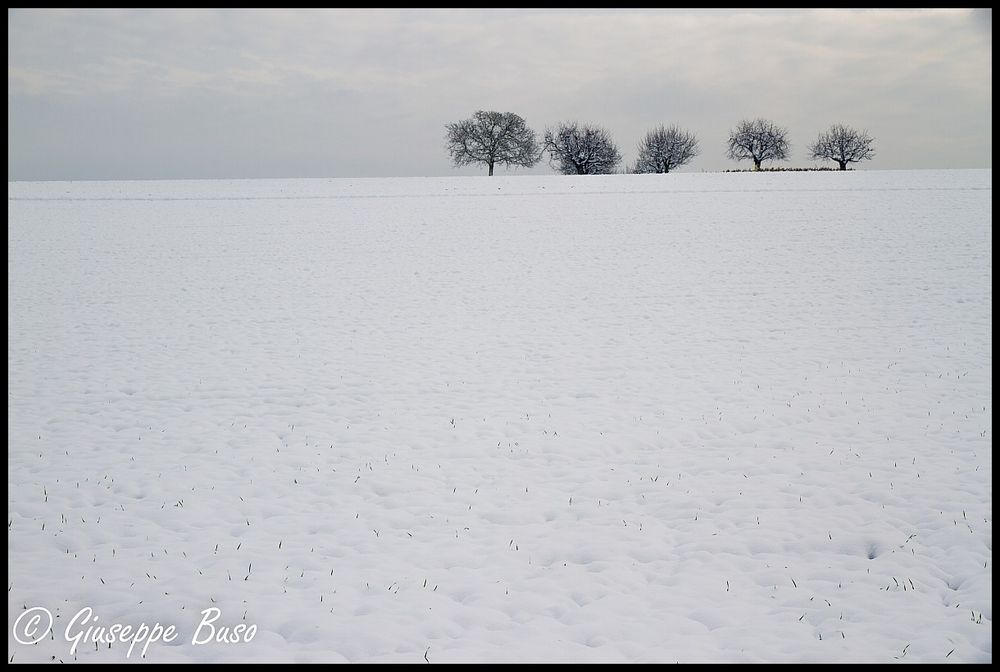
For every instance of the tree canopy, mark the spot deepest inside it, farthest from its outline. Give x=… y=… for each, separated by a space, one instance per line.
x=491 y=138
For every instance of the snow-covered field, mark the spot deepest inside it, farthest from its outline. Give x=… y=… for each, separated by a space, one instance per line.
x=695 y=417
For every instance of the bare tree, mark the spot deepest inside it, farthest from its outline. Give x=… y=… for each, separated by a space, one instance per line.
x=844 y=145
x=758 y=140
x=491 y=138
x=581 y=150
x=664 y=149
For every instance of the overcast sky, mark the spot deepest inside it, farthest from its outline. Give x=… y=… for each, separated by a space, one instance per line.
x=151 y=94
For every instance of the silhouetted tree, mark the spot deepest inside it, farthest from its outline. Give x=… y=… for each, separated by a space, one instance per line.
x=664 y=149
x=581 y=150
x=844 y=145
x=491 y=138
x=758 y=140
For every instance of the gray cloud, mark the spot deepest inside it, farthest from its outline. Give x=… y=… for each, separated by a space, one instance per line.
x=116 y=94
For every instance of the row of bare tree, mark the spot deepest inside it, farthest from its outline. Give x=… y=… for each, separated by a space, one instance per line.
x=504 y=138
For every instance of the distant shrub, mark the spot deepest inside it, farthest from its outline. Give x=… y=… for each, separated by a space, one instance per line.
x=779 y=170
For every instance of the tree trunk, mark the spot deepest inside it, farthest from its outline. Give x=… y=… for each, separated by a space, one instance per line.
x=843 y=165
x=491 y=168
x=756 y=164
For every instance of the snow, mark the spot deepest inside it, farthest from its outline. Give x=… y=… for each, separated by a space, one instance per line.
x=693 y=417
